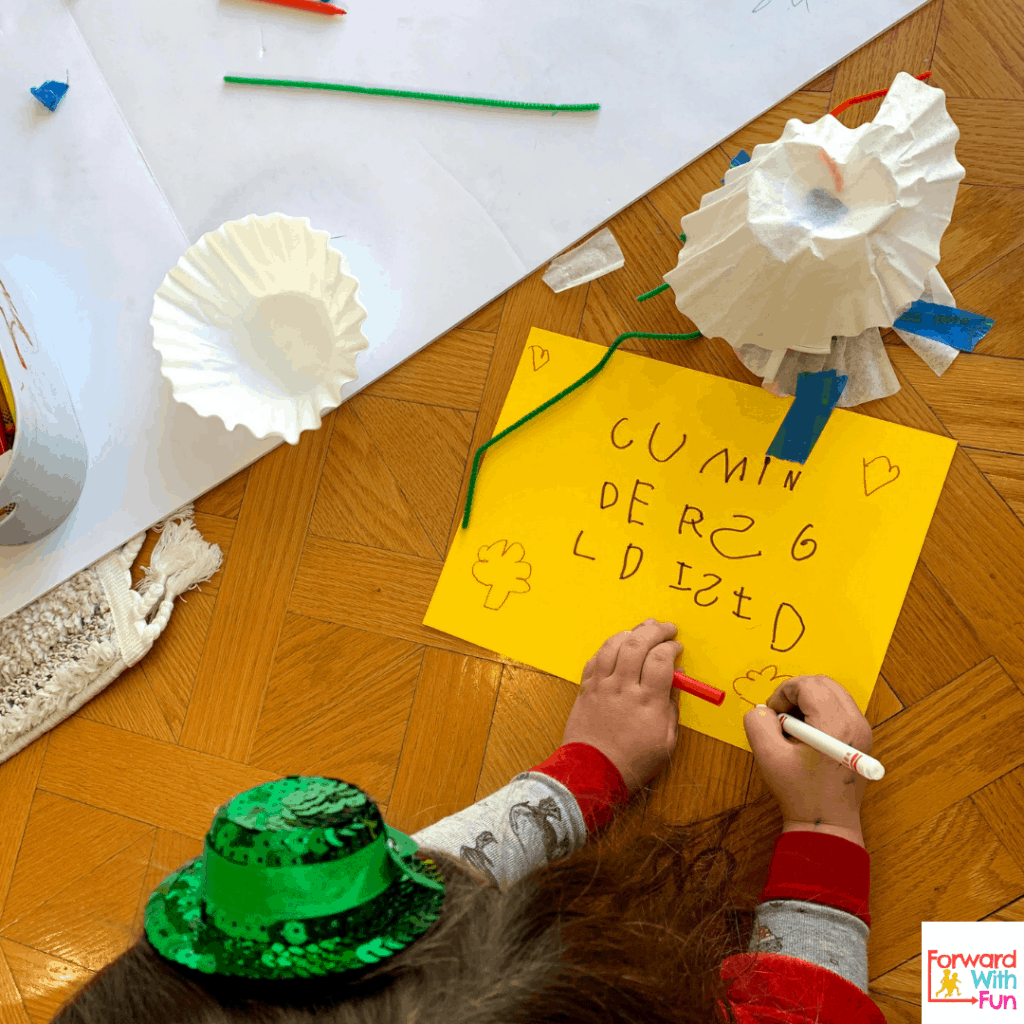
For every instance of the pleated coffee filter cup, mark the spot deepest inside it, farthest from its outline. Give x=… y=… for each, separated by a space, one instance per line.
x=258 y=324
x=828 y=231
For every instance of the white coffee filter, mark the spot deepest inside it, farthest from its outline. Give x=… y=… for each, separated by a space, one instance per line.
x=258 y=324
x=828 y=231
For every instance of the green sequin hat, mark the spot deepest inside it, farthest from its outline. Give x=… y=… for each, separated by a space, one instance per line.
x=298 y=878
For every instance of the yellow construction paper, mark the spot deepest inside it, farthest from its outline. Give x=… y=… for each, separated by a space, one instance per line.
x=647 y=493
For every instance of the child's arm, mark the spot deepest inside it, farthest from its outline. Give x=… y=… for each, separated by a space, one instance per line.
x=512 y=832
x=814 y=907
x=619 y=735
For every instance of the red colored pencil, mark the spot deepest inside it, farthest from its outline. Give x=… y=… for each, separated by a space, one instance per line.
x=307 y=5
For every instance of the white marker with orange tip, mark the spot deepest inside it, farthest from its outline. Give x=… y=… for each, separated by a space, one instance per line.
x=853 y=758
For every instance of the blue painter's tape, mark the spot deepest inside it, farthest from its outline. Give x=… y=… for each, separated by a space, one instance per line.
x=947 y=324
x=742 y=157
x=816 y=397
x=50 y=94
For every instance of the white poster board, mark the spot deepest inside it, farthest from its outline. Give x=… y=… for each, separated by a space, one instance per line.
x=437 y=207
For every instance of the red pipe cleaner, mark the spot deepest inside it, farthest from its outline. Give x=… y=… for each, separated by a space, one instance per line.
x=870 y=96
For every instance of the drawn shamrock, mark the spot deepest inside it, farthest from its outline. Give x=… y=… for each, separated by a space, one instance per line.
x=758 y=682
x=502 y=568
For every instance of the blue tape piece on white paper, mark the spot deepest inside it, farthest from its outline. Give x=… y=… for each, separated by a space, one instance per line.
x=947 y=324
x=816 y=397
x=50 y=94
x=742 y=157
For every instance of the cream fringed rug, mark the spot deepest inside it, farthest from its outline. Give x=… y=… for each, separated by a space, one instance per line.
x=63 y=649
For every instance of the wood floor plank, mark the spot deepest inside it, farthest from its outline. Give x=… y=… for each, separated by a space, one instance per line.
x=998 y=287
x=445 y=742
x=923 y=875
x=43 y=983
x=932 y=642
x=130 y=703
x=337 y=704
x=527 y=727
x=19 y=776
x=903 y=982
x=987 y=127
x=681 y=194
x=604 y=320
x=883 y=703
x=379 y=591
x=359 y=499
x=425 y=448
x=1005 y=472
x=89 y=837
x=161 y=784
x=427 y=377
x=908 y=46
x=1001 y=804
x=987 y=224
x=170 y=667
x=993 y=34
x=170 y=851
x=651 y=249
x=12 y=1007
x=90 y=922
x=919 y=782
x=225 y=499
x=823 y=83
x=706 y=776
x=530 y=304
x=1013 y=911
x=980 y=565
x=979 y=399
x=257 y=580
x=973 y=546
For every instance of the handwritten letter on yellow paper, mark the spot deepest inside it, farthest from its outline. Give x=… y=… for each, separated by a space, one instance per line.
x=647 y=493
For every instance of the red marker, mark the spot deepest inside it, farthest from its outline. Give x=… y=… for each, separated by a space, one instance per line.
x=702 y=690
x=308 y=5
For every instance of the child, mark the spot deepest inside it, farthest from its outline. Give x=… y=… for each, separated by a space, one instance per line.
x=304 y=907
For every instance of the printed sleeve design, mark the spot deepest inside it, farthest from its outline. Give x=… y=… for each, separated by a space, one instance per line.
x=521 y=827
x=478 y=858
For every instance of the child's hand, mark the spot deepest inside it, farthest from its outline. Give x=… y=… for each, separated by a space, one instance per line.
x=625 y=706
x=816 y=792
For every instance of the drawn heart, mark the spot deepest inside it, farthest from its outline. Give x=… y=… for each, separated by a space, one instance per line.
x=877 y=476
x=540 y=356
x=758 y=684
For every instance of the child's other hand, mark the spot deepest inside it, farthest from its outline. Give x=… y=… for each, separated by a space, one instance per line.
x=816 y=792
x=625 y=706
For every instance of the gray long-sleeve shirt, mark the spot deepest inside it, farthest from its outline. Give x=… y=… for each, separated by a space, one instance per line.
x=535 y=819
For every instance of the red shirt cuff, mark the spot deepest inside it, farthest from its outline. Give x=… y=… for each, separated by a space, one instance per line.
x=820 y=868
x=595 y=782
x=767 y=987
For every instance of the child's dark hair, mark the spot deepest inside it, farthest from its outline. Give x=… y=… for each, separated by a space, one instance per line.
x=632 y=927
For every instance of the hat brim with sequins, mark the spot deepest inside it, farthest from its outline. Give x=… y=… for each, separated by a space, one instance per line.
x=298 y=878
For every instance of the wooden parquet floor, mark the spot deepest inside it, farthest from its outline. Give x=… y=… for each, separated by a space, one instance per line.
x=306 y=652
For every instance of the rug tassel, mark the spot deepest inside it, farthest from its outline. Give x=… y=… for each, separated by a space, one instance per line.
x=182 y=559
